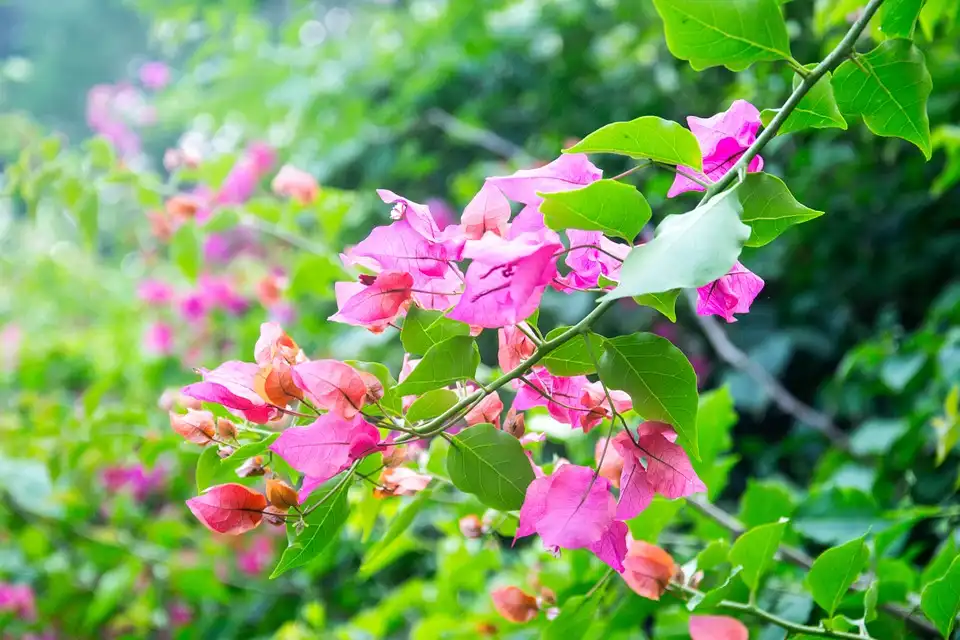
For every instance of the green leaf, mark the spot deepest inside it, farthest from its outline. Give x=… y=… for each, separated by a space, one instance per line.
x=659 y=380
x=423 y=329
x=251 y=449
x=716 y=416
x=898 y=18
x=765 y=501
x=444 y=363
x=491 y=465
x=687 y=250
x=431 y=404
x=715 y=596
x=769 y=208
x=834 y=571
x=208 y=466
x=645 y=137
x=88 y=212
x=713 y=555
x=390 y=400
x=654 y=519
x=665 y=302
x=754 y=551
x=877 y=435
x=373 y=560
x=889 y=89
x=870 y=602
x=938 y=565
x=185 y=250
x=816 y=110
x=323 y=524
x=735 y=33
x=940 y=600
x=572 y=358
x=101 y=153
x=576 y=616
x=834 y=515
x=614 y=208
x=222 y=220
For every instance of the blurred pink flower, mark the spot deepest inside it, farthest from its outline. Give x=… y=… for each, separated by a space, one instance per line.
x=155 y=75
x=193 y=307
x=216 y=248
x=253 y=560
x=11 y=338
x=219 y=292
x=442 y=214
x=158 y=340
x=241 y=182
x=140 y=482
x=155 y=292
x=19 y=600
x=180 y=614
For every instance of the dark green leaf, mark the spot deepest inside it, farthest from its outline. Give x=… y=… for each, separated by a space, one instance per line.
x=423 y=329
x=665 y=303
x=444 y=363
x=816 y=110
x=938 y=565
x=431 y=404
x=614 y=208
x=735 y=33
x=716 y=416
x=834 y=515
x=572 y=357
x=208 y=466
x=713 y=555
x=576 y=616
x=940 y=599
x=898 y=18
x=754 y=551
x=645 y=137
x=323 y=525
x=888 y=87
x=877 y=435
x=765 y=501
x=185 y=250
x=834 y=571
x=659 y=380
x=715 y=596
x=490 y=464
x=654 y=519
x=687 y=250
x=769 y=208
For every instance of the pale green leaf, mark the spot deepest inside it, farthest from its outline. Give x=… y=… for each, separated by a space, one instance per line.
x=888 y=87
x=734 y=33
x=665 y=302
x=711 y=599
x=323 y=525
x=185 y=251
x=423 y=329
x=816 y=110
x=431 y=404
x=648 y=137
x=614 y=208
x=687 y=250
x=659 y=379
x=490 y=464
x=940 y=600
x=754 y=551
x=898 y=18
x=769 y=208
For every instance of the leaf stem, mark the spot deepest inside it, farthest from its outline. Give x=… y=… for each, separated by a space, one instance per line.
x=833 y=59
x=632 y=170
x=346 y=478
x=793 y=627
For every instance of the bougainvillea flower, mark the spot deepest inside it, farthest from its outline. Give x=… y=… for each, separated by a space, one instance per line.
x=730 y=294
x=332 y=385
x=232 y=385
x=220 y=292
x=442 y=213
x=376 y=302
x=274 y=343
x=155 y=292
x=596 y=256
x=514 y=604
x=717 y=628
x=574 y=509
x=198 y=427
x=18 y=600
x=656 y=464
x=649 y=569
x=275 y=384
x=136 y=478
x=569 y=171
x=594 y=400
x=400 y=247
x=154 y=75
x=193 y=307
x=487 y=410
x=326 y=447
x=506 y=280
x=609 y=461
x=294 y=183
x=253 y=560
x=513 y=348
x=401 y=481
x=417 y=215
x=230 y=509
x=488 y=211
x=559 y=394
x=723 y=138
x=241 y=182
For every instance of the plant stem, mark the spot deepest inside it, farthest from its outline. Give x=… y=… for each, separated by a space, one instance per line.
x=345 y=479
x=632 y=170
x=440 y=423
x=833 y=59
x=792 y=627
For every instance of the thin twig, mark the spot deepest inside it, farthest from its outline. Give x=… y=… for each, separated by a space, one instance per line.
x=483 y=138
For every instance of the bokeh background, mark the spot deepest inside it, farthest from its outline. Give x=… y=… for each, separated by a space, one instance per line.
x=860 y=317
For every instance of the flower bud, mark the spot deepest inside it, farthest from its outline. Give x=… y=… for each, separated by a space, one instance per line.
x=251 y=467
x=513 y=424
x=471 y=526
x=395 y=455
x=274 y=515
x=275 y=385
x=225 y=452
x=282 y=495
x=226 y=429
x=374 y=387
x=515 y=605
